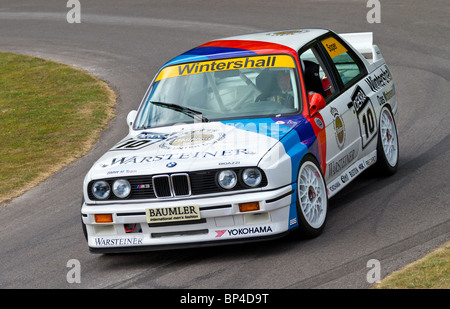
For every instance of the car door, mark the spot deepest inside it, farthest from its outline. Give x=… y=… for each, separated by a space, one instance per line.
x=339 y=74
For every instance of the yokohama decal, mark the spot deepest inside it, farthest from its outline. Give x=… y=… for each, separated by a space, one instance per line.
x=244 y=231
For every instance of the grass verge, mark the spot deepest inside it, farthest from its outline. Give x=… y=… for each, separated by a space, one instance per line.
x=430 y=272
x=50 y=115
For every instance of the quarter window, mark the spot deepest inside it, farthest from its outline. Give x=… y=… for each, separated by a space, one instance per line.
x=346 y=64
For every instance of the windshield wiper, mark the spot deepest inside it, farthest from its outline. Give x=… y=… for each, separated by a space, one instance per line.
x=185 y=110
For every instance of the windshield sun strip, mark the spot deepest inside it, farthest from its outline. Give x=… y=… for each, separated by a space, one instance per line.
x=288 y=61
x=217 y=65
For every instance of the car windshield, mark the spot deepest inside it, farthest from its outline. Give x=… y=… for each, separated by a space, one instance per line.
x=258 y=86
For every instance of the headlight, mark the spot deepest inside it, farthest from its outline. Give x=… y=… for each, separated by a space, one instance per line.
x=121 y=188
x=101 y=190
x=252 y=177
x=227 y=179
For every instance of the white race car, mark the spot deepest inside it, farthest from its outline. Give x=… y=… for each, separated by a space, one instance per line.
x=244 y=138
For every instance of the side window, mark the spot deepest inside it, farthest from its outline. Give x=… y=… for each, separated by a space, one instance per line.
x=348 y=67
x=314 y=76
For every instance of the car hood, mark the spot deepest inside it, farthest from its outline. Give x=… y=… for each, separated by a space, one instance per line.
x=189 y=147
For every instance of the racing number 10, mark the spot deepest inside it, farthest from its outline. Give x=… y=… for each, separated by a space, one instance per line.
x=368 y=120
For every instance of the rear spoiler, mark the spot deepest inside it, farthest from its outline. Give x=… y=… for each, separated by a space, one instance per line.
x=363 y=42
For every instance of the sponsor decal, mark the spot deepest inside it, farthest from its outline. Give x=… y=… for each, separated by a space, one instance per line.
x=333 y=47
x=219 y=233
x=379 y=81
x=291 y=122
x=193 y=139
x=273 y=61
x=229 y=163
x=178 y=140
x=381 y=99
x=176 y=213
x=344 y=178
x=287 y=32
x=153 y=135
x=336 y=167
x=339 y=128
x=390 y=93
x=244 y=231
x=351 y=172
x=370 y=161
x=319 y=122
x=334 y=186
x=176 y=156
x=354 y=172
x=100 y=241
x=121 y=172
x=386 y=96
x=359 y=99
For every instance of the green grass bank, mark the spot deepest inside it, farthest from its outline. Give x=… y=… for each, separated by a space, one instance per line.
x=50 y=115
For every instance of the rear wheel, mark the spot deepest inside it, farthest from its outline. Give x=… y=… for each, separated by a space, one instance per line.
x=387 y=148
x=312 y=199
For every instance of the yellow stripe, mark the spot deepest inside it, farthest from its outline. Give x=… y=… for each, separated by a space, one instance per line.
x=273 y=61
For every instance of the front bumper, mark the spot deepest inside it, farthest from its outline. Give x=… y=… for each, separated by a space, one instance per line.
x=221 y=222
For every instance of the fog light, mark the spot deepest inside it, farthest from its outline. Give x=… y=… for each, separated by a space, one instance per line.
x=103 y=218
x=252 y=206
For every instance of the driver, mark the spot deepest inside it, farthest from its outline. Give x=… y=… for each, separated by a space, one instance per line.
x=285 y=95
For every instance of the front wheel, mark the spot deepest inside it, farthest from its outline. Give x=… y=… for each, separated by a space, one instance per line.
x=312 y=199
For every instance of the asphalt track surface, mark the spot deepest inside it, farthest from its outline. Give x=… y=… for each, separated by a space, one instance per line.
x=395 y=220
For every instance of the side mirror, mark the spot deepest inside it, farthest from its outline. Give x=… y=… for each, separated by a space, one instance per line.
x=316 y=103
x=130 y=119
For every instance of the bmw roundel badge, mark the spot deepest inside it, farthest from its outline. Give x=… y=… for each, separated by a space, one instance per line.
x=171 y=164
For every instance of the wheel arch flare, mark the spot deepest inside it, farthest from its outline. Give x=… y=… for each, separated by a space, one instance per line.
x=290 y=150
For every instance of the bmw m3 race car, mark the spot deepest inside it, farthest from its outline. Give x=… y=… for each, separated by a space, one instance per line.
x=244 y=138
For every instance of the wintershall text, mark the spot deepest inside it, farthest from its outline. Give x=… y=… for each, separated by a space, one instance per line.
x=274 y=61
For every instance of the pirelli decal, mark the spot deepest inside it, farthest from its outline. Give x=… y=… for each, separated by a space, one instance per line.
x=272 y=61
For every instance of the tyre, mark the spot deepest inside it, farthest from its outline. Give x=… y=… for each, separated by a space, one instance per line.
x=312 y=199
x=387 y=147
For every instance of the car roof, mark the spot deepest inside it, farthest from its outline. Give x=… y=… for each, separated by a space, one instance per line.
x=284 y=41
x=295 y=38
